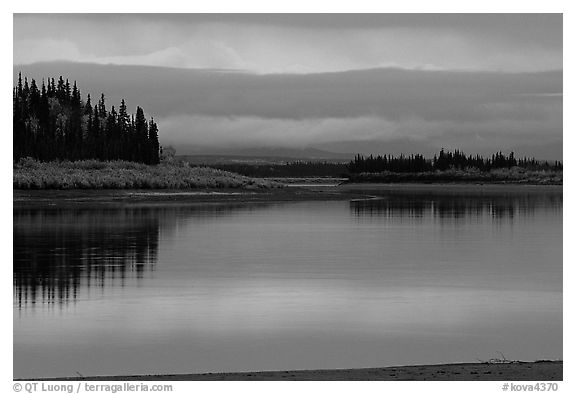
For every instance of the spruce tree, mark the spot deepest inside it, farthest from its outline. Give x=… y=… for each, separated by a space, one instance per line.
x=53 y=123
x=154 y=144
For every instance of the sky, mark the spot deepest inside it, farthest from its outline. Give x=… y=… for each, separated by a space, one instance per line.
x=370 y=83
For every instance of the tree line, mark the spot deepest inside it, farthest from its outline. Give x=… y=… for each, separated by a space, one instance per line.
x=290 y=169
x=415 y=163
x=52 y=122
x=444 y=161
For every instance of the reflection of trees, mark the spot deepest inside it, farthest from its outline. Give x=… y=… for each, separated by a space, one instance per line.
x=456 y=205
x=58 y=251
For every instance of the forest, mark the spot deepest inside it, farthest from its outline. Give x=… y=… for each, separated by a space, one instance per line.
x=455 y=160
x=402 y=164
x=53 y=122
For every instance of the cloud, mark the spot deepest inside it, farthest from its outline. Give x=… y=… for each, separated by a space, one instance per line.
x=300 y=43
x=393 y=94
x=206 y=131
x=532 y=29
x=201 y=133
x=46 y=49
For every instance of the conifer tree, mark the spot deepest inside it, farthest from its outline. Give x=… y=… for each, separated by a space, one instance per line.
x=154 y=144
x=54 y=123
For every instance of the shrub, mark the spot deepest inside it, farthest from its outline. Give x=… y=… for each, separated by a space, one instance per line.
x=92 y=174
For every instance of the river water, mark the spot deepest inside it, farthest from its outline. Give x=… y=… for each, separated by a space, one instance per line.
x=406 y=276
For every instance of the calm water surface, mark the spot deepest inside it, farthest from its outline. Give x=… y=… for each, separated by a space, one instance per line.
x=409 y=277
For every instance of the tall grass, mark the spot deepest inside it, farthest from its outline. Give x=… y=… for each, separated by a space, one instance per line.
x=92 y=174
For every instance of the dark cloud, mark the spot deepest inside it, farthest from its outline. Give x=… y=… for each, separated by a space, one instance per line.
x=532 y=29
x=297 y=43
x=393 y=94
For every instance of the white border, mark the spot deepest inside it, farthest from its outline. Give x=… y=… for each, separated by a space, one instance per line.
x=252 y=6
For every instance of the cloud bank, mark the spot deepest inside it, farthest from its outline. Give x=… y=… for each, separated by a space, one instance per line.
x=295 y=43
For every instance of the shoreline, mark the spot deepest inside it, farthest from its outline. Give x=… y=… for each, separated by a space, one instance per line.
x=116 y=198
x=543 y=370
x=342 y=192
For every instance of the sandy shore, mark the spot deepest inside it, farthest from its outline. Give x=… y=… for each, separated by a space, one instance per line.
x=514 y=371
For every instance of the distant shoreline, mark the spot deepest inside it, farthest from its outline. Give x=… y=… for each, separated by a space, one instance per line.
x=499 y=176
x=343 y=192
x=509 y=371
x=29 y=174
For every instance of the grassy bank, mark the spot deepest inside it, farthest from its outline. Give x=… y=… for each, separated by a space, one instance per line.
x=93 y=174
x=515 y=175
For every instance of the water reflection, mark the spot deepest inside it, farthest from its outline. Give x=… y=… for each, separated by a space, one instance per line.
x=59 y=251
x=410 y=278
x=450 y=206
x=56 y=251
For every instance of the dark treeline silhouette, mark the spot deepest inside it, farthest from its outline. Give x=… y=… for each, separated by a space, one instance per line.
x=444 y=161
x=52 y=122
x=291 y=169
x=387 y=163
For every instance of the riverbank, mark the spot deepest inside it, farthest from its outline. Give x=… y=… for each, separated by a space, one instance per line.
x=349 y=191
x=29 y=174
x=510 y=371
x=117 y=198
x=515 y=175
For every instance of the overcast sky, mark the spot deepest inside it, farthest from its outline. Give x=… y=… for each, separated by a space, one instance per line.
x=478 y=82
